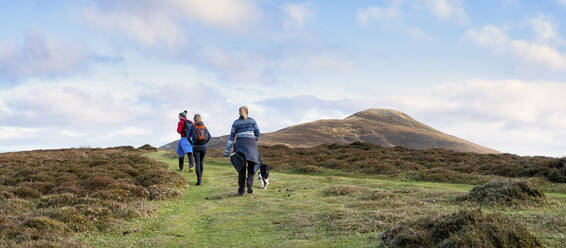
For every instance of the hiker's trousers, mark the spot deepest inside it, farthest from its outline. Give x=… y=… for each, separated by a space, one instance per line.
x=199 y=152
x=242 y=176
x=182 y=161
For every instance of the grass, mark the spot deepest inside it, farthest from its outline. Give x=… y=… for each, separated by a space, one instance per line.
x=48 y=198
x=329 y=208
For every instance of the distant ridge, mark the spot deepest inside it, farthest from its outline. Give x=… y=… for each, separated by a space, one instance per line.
x=384 y=127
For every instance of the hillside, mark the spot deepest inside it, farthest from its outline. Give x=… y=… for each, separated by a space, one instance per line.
x=387 y=128
x=333 y=208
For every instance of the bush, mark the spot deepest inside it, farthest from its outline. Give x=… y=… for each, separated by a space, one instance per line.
x=466 y=228
x=439 y=165
x=47 y=196
x=506 y=192
x=147 y=147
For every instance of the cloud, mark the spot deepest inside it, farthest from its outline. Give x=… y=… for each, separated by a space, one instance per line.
x=63 y=105
x=38 y=56
x=296 y=14
x=160 y=24
x=512 y=116
x=561 y=2
x=13 y=132
x=448 y=10
x=539 y=51
x=151 y=29
x=545 y=30
x=281 y=112
x=72 y=133
x=128 y=131
x=391 y=17
x=232 y=14
x=378 y=13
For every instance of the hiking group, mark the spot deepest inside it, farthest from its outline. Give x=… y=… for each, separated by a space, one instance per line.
x=244 y=135
x=194 y=136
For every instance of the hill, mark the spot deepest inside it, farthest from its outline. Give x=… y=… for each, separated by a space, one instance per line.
x=334 y=208
x=384 y=127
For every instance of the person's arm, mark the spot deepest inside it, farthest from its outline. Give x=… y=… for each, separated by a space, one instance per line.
x=230 y=140
x=256 y=131
x=180 y=126
x=208 y=136
x=189 y=134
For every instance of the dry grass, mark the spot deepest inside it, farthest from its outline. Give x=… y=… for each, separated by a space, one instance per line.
x=48 y=196
x=436 y=165
x=507 y=192
x=465 y=228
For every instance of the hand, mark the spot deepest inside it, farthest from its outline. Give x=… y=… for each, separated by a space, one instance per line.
x=226 y=154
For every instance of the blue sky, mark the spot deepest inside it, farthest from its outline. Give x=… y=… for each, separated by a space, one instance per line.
x=105 y=73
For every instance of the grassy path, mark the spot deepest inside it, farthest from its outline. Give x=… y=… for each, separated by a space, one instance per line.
x=294 y=212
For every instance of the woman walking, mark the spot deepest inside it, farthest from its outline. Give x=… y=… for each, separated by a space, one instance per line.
x=184 y=146
x=198 y=137
x=246 y=133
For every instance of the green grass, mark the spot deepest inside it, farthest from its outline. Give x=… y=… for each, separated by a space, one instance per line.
x=303 y=210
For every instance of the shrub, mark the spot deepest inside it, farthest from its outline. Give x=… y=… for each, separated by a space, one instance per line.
x=430 y=165
x=506 y=192
x=71 y=217
x=26 y=192
x=147 y=147
x=46 y=196
x=466 y=228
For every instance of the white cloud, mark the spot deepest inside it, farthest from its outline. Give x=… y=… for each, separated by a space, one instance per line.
x=233 y=14
x=448 y=9
x=11 y=132
x=296 y=14
x=72 y=133
x=160 y=23
x=545 y=30
x=152 y=29
x=392 y=17
x=378 y=13
x=533 y=51
x=39 y=57
x=511 y=116
x=562 y=2
x=128 y=131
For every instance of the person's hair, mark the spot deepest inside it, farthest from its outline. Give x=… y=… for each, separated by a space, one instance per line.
x=197 y=118
x=244 y=112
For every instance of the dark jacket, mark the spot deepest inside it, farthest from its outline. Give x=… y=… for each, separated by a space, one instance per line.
x=192 y=134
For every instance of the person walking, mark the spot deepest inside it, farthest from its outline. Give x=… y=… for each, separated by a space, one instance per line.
x=198 y=137
x=184 y=146
x=246 y=133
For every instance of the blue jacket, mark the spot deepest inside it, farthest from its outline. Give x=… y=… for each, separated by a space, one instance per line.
x=242 y=129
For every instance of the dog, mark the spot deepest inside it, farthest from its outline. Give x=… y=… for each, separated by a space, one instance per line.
x=263 y=175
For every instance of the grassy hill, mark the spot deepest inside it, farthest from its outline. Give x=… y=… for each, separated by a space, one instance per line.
x=387 y=128
x=330 y=208
x=326 y=196
x=49 y=198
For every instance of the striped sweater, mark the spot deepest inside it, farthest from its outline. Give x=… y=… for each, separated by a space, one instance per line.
x=242 y=129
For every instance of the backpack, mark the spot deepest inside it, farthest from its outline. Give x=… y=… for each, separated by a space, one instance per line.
x=199 y=134
x=187 y=124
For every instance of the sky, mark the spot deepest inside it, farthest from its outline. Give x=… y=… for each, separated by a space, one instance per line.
x=99 y=73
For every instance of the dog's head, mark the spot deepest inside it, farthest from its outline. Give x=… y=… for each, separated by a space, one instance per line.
x=264 y=170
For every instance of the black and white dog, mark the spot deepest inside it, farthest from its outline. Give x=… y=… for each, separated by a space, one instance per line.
x=263 y=175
